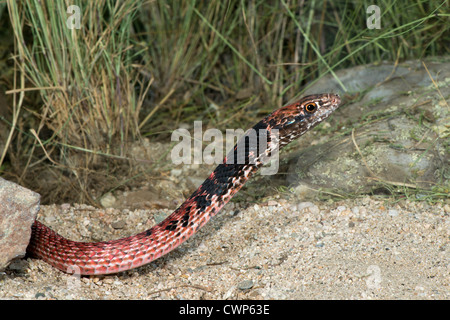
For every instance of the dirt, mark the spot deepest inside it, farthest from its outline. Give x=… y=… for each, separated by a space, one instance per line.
x=363 y=248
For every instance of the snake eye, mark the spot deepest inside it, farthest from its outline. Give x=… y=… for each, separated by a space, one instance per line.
x=311 y=107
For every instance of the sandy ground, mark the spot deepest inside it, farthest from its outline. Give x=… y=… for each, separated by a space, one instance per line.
x=281 y=249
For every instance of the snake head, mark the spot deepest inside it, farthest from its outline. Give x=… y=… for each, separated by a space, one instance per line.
x=295 y=119
x=311 y=109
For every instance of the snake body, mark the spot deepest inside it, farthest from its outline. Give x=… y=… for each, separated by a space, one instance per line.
x=224 y=182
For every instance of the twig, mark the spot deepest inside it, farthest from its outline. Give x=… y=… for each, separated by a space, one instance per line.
x=156 y=108
x=435 y=84
x=32 y=89
x=182 y=286
x=360 y=153
x=33 y=132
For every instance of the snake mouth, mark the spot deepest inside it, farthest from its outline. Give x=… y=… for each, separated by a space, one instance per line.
x=335 y=99
x=328 y=103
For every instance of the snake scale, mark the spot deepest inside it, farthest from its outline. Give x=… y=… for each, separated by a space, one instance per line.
x=225 y=181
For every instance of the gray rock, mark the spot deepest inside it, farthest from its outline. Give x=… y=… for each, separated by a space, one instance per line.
x=364 y=77
x=401 y=130
x=18 y=209
x=245 y=285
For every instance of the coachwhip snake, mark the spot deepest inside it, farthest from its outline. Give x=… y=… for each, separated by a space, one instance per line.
x=105 y=257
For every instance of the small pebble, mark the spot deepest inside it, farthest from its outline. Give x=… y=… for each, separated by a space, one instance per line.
x=447 y=208
x=245 y=285
x=303 y=205
x=108 y=200
x=393 y=212
x=118 y=224
x=355 y=210
x=159 y=217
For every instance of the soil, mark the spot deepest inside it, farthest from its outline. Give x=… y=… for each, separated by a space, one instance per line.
x=362 y=248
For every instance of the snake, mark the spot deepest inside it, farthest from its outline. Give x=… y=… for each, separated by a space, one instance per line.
x=105 y=257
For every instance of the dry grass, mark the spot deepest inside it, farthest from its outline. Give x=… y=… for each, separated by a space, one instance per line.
x=85 y=79
x=226 y=62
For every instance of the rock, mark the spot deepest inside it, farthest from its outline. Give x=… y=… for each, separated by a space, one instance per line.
x=245 y=285
x=399 y=130
x=118 y=224
x=108 y=201
x=304 y=205
x=393 y=212
x=390 y=155
x=18 y=209
x=159 y=217
x=407 y=74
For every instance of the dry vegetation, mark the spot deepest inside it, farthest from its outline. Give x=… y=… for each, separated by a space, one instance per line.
x=79 y=98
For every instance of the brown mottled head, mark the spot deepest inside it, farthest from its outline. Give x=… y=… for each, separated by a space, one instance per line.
x=281 y=127
x=295 y=119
